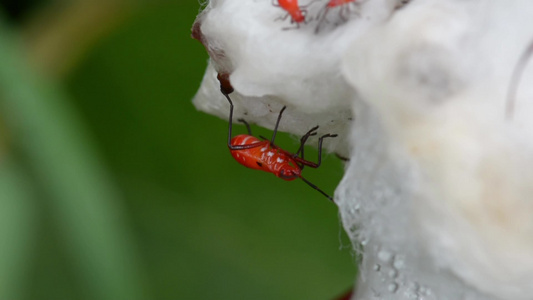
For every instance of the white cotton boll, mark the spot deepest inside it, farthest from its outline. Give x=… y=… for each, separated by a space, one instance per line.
x=270 y=66
x=297 y=65
x=436 y=194
x=452 y=178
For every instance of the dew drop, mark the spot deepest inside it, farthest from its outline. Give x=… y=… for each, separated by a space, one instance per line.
x=412 y=290
x=393 y=273
x=413 y=286
x=393 y=287
x=384 y=255
x=376 y=267
x=399 y=262
x=428 y=292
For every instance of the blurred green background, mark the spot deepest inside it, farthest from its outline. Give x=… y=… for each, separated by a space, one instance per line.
x=112 y=185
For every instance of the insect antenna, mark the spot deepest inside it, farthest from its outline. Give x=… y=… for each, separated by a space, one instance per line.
x=316 y=188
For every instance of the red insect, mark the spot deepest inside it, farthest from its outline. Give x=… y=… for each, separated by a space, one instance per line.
x=344 y=9
x=262 y=154
x=293 y=9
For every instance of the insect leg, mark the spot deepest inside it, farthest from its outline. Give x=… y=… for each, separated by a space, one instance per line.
x=236 y=147
x=230 y=120
x=283 y=18
x=230 y=127
x=324 y=11
x=249 y=146
x=343 y=10
x=303 y=140
x=277 y=124
x=247 y=126
x=310 y=163
x=320 y=146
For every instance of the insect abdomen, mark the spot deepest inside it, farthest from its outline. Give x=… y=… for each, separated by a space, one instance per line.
x=250 y=158
x=263 y=157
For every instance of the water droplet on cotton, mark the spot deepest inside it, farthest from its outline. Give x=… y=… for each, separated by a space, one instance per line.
x=384 y=255
x=428 y=292
x=393 y=287
x=399 y=262
x=393 y=273
x=413 y=287
x=412 y=291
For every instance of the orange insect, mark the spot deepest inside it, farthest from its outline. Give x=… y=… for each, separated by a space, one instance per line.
x=262 y=154
x=293 y=9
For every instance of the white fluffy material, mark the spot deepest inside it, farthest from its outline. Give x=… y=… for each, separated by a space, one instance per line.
x=438 y=189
